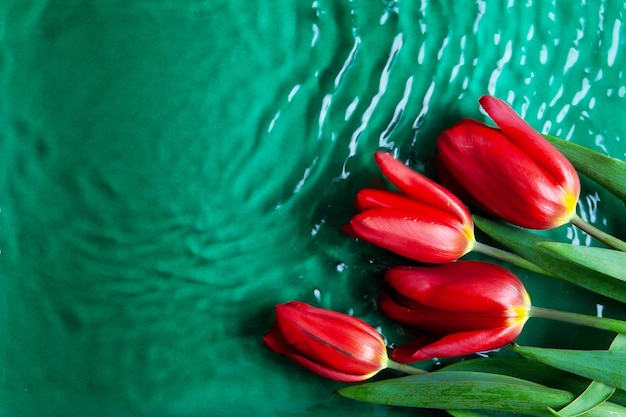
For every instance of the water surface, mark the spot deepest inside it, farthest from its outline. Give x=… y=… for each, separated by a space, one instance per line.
x=171 y=172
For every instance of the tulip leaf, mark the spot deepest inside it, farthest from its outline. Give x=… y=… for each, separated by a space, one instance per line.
x=619 y=343
x=471 y=391
x=560 y=262
x=522 y=368
x=604 y=170
x=605 y=366
x=466 y=413
x=608 y=261
x=458 y=390
x=481 y=413
x=535 y=371
x=595 y=394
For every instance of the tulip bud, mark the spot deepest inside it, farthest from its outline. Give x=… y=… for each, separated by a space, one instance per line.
x=424 y=222
x=465 y=307
x=328 y=343
x=511 y=171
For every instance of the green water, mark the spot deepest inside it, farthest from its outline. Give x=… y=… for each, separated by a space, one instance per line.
x=172 y=170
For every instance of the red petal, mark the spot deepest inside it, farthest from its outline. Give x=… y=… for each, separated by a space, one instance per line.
x=370 y=198
x=463 y=287
x=331 y=339
x=428 y=236
x=277 y=343
x=347 y=229
x=436 y=321
x=421 y=188
x=331 y=373
x=501 y=176
x=457 y=344
x=532 y=143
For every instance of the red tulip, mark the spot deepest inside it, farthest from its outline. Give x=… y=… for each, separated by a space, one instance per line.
x=510 y=171
x=424 y=222
x=465 y=307
x=328 y=343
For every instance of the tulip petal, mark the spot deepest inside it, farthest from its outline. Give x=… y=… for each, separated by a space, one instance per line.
x=330 y=373
x=323 y=316
x=428 y=236
x=457 y=344
x=421 y=188
x=347 y=229
x=462 y=287
x=436 y=321
x=278 y=344
x=502 y=177
x=329 y=338
x=369 y=198
x=532 y=143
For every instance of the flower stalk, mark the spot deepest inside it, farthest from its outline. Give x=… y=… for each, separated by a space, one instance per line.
x=598 y=234
x=407 y=369
x=508 y=257
x=602 y=323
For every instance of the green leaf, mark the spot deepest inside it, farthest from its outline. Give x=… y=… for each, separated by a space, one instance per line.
x=595 y=394
x=619 y=343
x=522 y=368
x=458 y=390
x=471 y=391
x=606 y=171
x=532 y=370
x=604 y=366
x=608 y=261
x=550 y=256
x=484 y=413
x=466 y=413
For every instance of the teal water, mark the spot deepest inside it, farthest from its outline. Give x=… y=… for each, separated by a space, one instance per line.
x=171 y=172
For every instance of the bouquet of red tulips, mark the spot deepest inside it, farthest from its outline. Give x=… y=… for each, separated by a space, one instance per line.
x=521 y=181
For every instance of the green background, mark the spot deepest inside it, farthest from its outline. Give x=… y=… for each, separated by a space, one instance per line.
x=171 y=170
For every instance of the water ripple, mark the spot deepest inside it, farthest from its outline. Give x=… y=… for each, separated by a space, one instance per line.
x=207 y=178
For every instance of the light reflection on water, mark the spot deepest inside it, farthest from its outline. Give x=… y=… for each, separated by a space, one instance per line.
x=397 y=84
x=238 y=203
x=409 y=67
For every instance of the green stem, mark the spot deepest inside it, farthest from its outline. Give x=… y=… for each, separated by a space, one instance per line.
x=407 y=369
x=602 y=323
x=508 y=257
x=598 y=234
